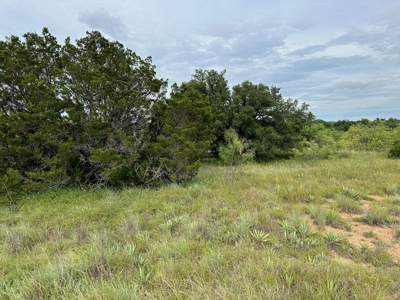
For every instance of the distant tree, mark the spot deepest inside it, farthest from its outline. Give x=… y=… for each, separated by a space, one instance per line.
x=392 y=123
x=327 y=124
x=317 y=142
x=368 y=137
x=394 y=152
x=364 y=121
x=343 y=125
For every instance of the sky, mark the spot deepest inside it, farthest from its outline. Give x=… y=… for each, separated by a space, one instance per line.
x=342 y=57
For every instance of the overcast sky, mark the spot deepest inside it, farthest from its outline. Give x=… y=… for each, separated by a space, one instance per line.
x=341 y=57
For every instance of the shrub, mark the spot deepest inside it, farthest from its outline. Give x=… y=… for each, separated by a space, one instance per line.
x=394 y=152
x=370 y=137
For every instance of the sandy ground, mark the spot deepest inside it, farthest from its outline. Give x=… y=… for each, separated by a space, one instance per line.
x=362 y=233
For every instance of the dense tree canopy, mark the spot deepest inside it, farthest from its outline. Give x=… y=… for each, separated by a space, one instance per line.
x=82 y=114
x=94 y=113
x=258 y=114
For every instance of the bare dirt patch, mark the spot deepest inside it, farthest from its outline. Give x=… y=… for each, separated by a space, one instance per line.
x=363 y=233
x=377 y=197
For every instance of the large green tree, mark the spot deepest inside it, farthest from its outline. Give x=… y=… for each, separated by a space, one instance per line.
x=113 y=91
x=32 y=119
x=271 y=123
x=181 y=135
x=214 y=85
x=93 y=113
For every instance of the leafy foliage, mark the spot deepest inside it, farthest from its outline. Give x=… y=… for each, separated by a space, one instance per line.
x=395 y=150
x=367 y=136
x=181 y=135
x=258 y=114
x=317 y=143
x=235 y=152
x=83 y=114
x=261 y=115
x=214 y=85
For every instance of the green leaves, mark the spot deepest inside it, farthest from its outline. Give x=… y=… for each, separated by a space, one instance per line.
x=234 y=153
x=74 y=113
x=181 y=134
x=369 y=137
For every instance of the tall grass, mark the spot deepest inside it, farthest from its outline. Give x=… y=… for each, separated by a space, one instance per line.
x=212 y=239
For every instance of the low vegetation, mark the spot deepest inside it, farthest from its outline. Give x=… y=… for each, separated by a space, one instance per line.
x=276 y=230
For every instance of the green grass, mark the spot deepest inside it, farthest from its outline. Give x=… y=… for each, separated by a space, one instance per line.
x=212 y=239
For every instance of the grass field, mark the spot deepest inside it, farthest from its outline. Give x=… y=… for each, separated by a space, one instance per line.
x=323 y=229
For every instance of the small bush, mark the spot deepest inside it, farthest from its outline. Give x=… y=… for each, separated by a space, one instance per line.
x=342 y=155
x=394 y=152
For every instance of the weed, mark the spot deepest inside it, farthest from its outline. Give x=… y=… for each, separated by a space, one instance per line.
x=392 y=190
x=348 y=205
x=369 y=234
x=318 y=214
x=289 y=280
x=332 y=288
x=394 y=200
x=332 y=239
x=55 y=234
x=380 y=245
x=260 y=236
x=81 y=233
x=335 y=220
x=365 y=247
x=397 y=230
x=20 y=237
x=378 y=217
x=393 y=209
x=371 y=218
x=343 y=155
x=349 y=192
x=303 y=230
x=130 y=227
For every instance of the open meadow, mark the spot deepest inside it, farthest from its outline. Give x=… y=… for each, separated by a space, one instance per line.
x=318 y=229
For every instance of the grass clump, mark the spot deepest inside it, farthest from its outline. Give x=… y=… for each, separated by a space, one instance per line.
x=392 y=190
x=322 y=217
x=349 y=192
x=378 y=217
x=348 y=205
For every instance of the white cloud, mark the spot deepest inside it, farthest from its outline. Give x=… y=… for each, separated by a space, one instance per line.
x=103 y=20
x=334 y=54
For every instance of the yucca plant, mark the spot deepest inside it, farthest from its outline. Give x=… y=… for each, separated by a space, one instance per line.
x=260 y=236
x=332 y=239
x=349 y=192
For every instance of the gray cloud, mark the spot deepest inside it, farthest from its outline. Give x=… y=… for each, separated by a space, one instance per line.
x=302 y=24
x=356 y=85
x=308 y=50
x=336 y=55
x=103 y=20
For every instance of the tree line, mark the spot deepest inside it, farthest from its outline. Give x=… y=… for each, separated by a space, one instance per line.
x=93 y=113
